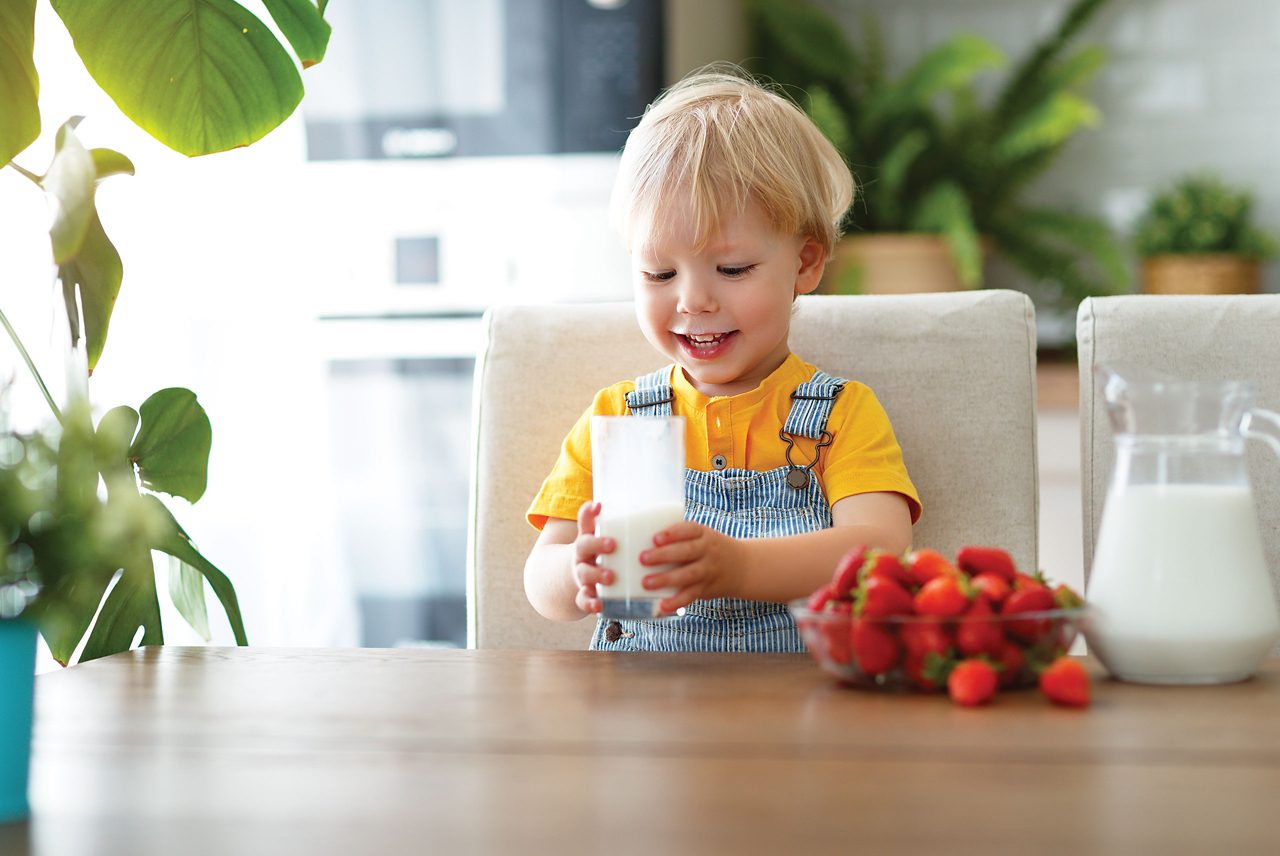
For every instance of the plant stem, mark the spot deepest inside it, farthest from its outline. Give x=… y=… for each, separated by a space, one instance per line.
x=13 y=334
x=30 y=175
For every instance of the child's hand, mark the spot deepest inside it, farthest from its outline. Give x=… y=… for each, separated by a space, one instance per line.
x=586 y=548
x=708 y=564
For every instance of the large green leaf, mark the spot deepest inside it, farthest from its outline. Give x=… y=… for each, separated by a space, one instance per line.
x=303 y=25
x=172 y=447
x=200 y=76
x=186 y=589
x=950 y=65
x=829 y=117
x=131 y=604
x=808 y=35
x=19 y=85
x=1047 y=124
x=892 y=174
x=96 y=271
x=177 y=544
x=64 y=634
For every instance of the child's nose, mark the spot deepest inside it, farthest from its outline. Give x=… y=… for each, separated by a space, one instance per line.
x=696 y=296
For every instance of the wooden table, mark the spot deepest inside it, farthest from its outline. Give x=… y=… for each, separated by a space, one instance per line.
x=181 y=751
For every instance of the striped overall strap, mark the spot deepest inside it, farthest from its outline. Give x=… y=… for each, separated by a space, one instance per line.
x=811 y=405
x=653 y=394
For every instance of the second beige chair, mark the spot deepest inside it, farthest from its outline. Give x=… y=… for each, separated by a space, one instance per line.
x=955 y=372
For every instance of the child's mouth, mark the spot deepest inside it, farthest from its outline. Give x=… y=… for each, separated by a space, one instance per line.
x=705 y=346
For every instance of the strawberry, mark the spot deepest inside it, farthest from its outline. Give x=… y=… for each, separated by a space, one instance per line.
x=879 y=596
x=820 y=598
x=874 y=647
x=992 y=586
x=928 y=670
x=986 y=560
x=1065 y=597
x=881 y=563
x=835 y=633
x=942 y=596
x=976 y=633
x=972 y=682
x=847 y=569
x=1066 y=682
x=1012 y=661
x=925 y=637
x=1029 y=597
x=924 y=565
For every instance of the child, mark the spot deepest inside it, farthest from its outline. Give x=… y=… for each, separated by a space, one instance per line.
x=730 y=200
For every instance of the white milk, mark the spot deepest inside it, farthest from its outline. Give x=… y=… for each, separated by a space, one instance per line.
x=634 y=534
x=1179 y=586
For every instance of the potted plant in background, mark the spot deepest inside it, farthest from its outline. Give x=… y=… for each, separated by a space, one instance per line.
x=217 y=78
x=941 y=174
x=1197 y=237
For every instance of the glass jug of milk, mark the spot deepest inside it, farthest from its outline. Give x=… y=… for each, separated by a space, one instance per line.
x=1179 y=585
x=637 y=476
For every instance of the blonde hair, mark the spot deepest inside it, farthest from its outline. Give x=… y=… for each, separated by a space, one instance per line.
x=717 y=139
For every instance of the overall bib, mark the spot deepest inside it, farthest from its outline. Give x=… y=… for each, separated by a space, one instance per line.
x=741 y=504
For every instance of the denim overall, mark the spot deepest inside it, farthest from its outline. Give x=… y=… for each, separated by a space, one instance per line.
x=742 y=504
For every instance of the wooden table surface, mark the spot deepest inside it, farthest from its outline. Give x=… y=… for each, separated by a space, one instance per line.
x=246 y=751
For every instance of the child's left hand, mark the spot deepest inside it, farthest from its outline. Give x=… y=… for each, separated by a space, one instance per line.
x=708 y=564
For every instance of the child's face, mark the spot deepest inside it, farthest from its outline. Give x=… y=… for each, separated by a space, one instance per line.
x=722 y=313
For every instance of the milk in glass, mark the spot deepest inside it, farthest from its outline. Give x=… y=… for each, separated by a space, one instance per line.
x=637 y=465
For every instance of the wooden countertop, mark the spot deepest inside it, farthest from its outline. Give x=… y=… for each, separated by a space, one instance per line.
x=318 y=751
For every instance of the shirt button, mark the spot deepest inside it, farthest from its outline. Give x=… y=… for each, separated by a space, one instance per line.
x=719 y=462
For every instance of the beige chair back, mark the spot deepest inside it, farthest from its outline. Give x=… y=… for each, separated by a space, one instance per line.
x=956 y=373
x=1210 y=338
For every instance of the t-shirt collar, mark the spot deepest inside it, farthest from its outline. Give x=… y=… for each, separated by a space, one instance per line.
x=787 y=376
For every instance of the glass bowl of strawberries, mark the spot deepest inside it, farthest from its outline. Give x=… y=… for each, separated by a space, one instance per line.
x=909 y=622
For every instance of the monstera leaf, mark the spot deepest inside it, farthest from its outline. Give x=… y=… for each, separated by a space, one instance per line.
x=19 y=85
x=200 y=76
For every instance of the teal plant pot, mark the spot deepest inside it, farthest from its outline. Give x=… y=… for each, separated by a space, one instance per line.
x=17 y=681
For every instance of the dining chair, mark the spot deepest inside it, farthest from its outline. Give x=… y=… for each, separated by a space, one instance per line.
x=1191 y=337
x=955 y=372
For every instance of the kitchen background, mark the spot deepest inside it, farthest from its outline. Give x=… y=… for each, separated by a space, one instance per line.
x=321 y=290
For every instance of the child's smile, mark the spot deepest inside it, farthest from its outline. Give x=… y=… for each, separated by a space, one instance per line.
x=721 y=307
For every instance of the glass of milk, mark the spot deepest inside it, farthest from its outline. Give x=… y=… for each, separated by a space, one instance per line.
x=637 y=472
x=1179 y=588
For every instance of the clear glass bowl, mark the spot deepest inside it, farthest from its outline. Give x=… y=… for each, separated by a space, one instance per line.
x=891 y=653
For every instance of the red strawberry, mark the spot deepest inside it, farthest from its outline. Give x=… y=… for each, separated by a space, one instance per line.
x=928 y=670
x=992 y=586
x=1066 y=682
x=972 y=682
x=1011 y=661
x=835 y=633
x=976 y=633
x=846 y=574
x=881 y=563
x=820 y=598
x=924 y=637
x=941 y=596
x=874 y=647
x=1065 y=597
x=924 y=565
x=986 y=560
x=879 y=596
x=1030 y=597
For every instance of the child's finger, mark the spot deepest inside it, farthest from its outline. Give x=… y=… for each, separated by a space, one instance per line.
x=683 y=531
x=679 y=600
x=587 y=514
x=591 y=574
x=679 y=553
x=587 y=547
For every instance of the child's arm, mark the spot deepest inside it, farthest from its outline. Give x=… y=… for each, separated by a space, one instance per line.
x=560 y=575
x=776 y=569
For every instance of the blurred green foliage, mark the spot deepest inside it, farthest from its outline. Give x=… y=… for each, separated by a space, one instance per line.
x=1201 y=214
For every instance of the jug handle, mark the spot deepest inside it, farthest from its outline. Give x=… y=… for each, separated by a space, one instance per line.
x=1271 y=433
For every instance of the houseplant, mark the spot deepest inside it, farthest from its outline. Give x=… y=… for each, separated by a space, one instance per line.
x=938 y=167
x=217 y=78
x=1197 y=236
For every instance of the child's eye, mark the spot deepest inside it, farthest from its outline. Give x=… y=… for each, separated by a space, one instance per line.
x=659 y=275
x=734 y=272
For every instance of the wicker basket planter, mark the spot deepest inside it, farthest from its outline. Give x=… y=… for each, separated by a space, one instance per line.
x=1209 y=273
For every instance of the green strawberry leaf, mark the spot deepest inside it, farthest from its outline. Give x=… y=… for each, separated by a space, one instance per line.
x=172 y=448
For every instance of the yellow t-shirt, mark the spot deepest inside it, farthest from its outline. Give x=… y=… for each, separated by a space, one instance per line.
x=863 y=457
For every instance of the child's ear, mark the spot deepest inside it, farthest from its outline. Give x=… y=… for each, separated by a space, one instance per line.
x=813 y=260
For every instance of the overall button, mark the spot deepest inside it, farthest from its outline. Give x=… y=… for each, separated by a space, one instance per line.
x=719 y=462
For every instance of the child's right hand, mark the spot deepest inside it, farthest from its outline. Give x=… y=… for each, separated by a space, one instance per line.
x=587 y=547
